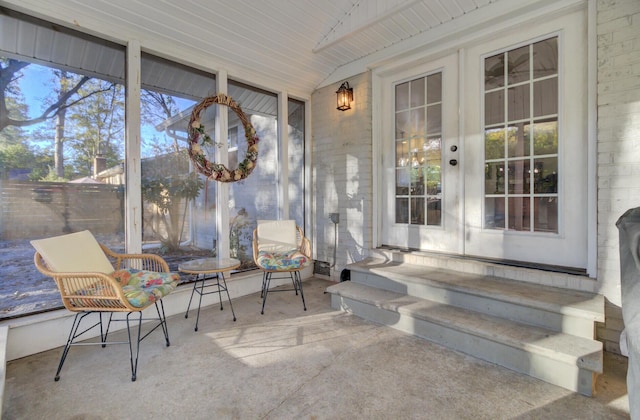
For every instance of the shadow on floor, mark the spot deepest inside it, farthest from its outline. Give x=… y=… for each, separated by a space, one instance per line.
x=292 y=364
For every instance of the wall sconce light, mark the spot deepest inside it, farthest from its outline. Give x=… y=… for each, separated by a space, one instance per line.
x=345 y=96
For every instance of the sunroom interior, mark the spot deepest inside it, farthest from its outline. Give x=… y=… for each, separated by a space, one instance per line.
x=467 y=143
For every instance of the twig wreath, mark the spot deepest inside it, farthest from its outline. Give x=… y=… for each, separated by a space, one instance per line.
x=199 y=138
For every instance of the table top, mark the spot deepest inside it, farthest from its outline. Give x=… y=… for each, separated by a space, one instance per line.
x=208 y=265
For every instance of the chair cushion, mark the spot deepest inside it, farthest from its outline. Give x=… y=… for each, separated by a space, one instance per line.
x=277 y=236
x=142 y=287
x=73 y=253
x=282 y=261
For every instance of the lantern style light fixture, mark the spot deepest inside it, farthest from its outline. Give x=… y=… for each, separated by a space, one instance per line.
x=345 y=96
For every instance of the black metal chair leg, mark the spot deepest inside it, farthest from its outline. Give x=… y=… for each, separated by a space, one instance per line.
x=106 y=333
x=200 y=302
x=195 y=283
x=163 y=321
x=265 y=289
x=134 y=362
x=294 y=281
x=228 y=297
x=299 y=280
x=264 y=280
x=74 y=329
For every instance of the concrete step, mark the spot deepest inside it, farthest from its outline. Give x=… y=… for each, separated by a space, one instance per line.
x=562 y=359
x=557 y=309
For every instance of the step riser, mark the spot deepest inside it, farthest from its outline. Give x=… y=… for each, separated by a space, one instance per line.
x=553 y=371
x=568 y=324
x=547 y=278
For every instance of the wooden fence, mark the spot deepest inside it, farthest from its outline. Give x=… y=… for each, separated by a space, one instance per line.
x=40 y=209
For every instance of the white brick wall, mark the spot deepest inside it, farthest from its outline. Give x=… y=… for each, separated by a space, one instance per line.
x=341 y=174
x=342 y=157
x=618 y=28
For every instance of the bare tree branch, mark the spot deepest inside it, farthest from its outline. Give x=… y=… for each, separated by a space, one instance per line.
x=7 y=75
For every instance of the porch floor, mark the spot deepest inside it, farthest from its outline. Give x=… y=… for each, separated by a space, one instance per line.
x=289 y=363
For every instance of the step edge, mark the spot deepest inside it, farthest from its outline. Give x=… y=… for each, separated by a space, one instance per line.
x=569 y=310
x=590 y=360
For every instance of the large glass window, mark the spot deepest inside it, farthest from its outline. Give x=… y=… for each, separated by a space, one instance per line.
x=296 y=161
x=521 y=138
x=61 y=149
x=62 y=155
x=169 y=187
x=255 y=197
x=418 y=138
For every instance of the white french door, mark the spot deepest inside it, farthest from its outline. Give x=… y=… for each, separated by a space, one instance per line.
x=525 y=139
x=502 y=173
x=421 y=172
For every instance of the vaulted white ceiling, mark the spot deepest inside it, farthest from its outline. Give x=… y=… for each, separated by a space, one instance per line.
x=295 y=44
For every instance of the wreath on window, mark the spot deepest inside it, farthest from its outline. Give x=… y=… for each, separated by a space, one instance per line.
x=198 y=138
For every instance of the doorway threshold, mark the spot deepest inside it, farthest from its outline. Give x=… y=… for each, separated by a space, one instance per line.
x=509 y=263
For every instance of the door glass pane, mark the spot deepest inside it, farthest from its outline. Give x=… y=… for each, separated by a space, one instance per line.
x=494 y=72
x=418 y=157
x=402 y=210
x=434 y=88
x=519 y=176
x=417 y=122
x=522 y=158
x=545 y=97
x=433 y=211
x=402 y=153
x=402 y=96
x=519 y=216
x=417 y=211
x=519 y=139
x=402 y=181
x=403 y=127
x=417 y=181
x=494 y=107
x=494 y=178
x=494 y=143
x=545 y=138
x=434 y=166
x=417 y=92
x=434 y=119
x=494 y=212
x=518 y=102
x=546 y=214
x=546 y=175
x=518 y=65
x=546 y=58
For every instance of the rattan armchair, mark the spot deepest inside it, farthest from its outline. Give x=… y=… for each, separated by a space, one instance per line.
x=280 y=247
x=92 y=279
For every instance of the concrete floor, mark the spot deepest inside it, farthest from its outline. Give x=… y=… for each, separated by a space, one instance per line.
x=291 y=364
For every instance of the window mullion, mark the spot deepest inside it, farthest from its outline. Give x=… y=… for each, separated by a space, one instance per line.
x=222 y=188
x=133 y=178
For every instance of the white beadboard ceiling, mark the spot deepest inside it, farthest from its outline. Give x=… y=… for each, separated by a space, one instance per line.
x=296 y=45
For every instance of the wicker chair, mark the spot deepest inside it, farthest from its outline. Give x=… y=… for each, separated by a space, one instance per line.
x=280 y=247
x=84 y=272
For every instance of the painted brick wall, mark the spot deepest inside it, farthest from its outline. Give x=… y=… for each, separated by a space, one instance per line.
x=618 y=29
x=341 y=174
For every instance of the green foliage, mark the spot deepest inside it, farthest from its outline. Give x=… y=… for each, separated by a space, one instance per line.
x=240 y=234
x=52 y=177
x=95 y=126
x=166 y=192
x=20 y=156
x=170 y=188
